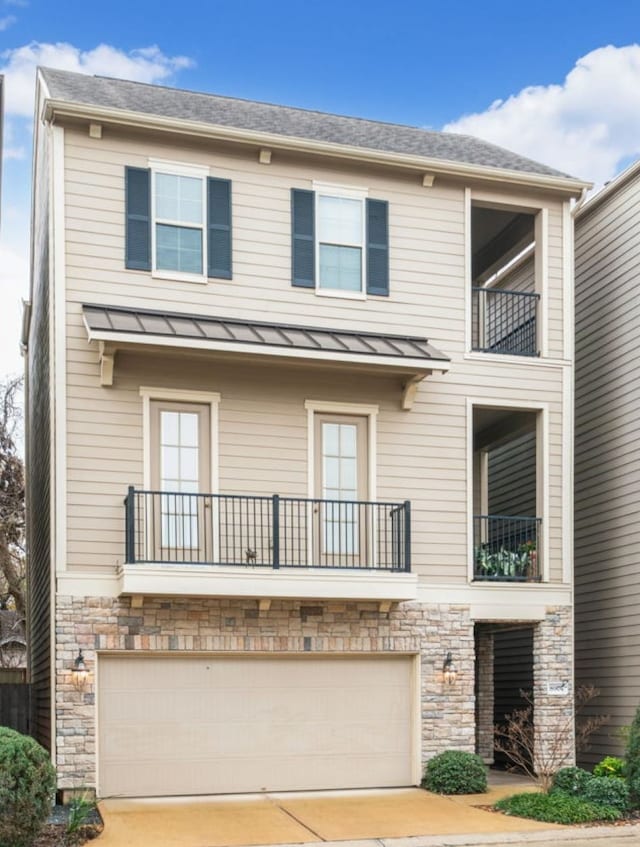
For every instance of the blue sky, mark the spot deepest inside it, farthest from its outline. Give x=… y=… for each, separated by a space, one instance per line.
x=559 y=82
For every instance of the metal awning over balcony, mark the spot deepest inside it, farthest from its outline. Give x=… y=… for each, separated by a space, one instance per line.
x=412 y=357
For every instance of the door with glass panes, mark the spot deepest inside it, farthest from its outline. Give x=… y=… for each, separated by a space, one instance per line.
x=181 y=482
x=341 y=521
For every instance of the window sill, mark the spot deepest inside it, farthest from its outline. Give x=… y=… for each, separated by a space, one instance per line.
x=179 y=277
x=340 y=295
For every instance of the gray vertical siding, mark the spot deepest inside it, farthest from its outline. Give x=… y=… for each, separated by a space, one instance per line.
x=39 y=477
x=607 y=470
x=512 y=477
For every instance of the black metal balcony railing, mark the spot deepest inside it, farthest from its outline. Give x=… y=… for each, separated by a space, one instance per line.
x=505 y=548
x=273 y=532
x=505 y=321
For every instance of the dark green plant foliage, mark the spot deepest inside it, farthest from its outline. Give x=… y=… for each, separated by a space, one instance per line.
x=607 y=792
x=632 y=762
x=27 y=783
x=571 y=781
x=556 y=808
x=610 y=766
x=455 y=772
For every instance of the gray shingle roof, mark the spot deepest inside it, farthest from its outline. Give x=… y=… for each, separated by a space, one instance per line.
x=283 y=120
x=112 y=319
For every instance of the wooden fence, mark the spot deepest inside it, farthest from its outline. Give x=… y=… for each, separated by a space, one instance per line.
x=15 y=706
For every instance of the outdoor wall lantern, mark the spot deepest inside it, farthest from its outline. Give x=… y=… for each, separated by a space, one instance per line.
x=449 y=670
x=79 y=672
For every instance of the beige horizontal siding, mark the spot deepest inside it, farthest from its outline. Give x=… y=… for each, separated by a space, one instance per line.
x=421 y=454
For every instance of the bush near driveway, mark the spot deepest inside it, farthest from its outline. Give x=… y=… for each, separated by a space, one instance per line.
x=455 y=772
x=27 y=783
x=571 y=781
x=556 y=808
x=607 y=791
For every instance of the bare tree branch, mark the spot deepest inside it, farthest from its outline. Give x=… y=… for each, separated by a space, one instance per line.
x=516 y=738
x=12 y=510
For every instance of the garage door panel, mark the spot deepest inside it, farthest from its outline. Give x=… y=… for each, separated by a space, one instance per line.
x=199 y=725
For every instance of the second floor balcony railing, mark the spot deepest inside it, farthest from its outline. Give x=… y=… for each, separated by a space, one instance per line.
x=266 y=531
x=505 y=548
x=505 y=321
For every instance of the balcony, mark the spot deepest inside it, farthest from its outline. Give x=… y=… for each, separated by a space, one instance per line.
x=505 y=321
x=266 y=546
x=505 y=548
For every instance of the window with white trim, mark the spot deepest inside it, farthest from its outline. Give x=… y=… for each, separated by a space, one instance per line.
x=340 y=237
x=179 y=231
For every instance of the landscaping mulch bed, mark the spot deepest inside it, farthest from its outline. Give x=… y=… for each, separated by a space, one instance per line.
x=54 y=833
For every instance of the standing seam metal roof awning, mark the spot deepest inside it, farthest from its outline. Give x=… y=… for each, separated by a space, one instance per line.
x=114 y=326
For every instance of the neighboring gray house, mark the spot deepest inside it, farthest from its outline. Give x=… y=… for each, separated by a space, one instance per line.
x=607 y=455
x=309 y=352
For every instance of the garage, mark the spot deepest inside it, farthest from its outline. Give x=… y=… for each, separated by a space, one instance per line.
x=200 y=724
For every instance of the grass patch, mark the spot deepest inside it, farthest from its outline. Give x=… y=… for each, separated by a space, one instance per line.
x=556 y=808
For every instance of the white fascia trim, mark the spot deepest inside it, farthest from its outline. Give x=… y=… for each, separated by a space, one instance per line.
x=506 y=359
x=60 y=108
x=370 y=411
x=59 y=381
x=318 y=583
x=402 y=365
x=568 y=289
x=522 y=602
x=542 y=452
x=568 y=418
x=177 y=395
x=468 y=294
x=542 y=276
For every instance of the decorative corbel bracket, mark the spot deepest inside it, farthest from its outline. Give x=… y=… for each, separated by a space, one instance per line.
x=409 y=390
x=107 y=353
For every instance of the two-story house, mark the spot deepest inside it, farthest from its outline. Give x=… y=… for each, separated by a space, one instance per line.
x=300 y=440
x=607 y=475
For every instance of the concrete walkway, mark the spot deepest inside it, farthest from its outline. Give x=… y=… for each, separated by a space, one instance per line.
x=304 y=818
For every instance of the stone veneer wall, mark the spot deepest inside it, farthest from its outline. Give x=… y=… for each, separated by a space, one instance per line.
x=553 y=663
x=295 y=626
x=485 y=696
x=106 y=624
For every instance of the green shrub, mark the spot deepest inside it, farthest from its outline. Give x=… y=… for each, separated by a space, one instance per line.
x=556 y=808
x=571 y=781
x=455 y=772
x=606 y=791
x=632 y=761
x=610 y=766
x=27 y=783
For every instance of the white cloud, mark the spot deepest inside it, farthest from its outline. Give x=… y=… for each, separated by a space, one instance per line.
x=146 y=64
x=588 y=126
x=6 y=22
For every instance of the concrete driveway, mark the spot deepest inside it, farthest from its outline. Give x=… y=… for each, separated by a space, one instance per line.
x=303 y=818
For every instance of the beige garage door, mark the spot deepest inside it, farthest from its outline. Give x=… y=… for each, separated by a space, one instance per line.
x=208 y=725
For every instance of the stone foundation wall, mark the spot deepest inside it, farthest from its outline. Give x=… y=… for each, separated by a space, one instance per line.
x=106 y=624
x=485 y=696
x=554 y=709
x=211 y=625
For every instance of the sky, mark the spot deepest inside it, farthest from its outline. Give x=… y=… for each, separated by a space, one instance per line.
x=556 y=81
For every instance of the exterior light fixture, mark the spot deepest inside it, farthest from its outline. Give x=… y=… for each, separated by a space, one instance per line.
x=449 y=670
x=79 y=672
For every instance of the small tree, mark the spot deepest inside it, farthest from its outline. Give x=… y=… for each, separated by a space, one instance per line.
x=516 y=738
x=12 y=511
x=632 y=761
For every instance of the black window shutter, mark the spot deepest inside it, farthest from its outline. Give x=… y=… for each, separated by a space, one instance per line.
x=303 y=263
x=378 y=247
x=219 y=228
x=138 y=219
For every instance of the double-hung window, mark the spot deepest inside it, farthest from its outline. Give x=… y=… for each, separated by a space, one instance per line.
x=178 y=221
x=341 y=240
x=178 y=226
